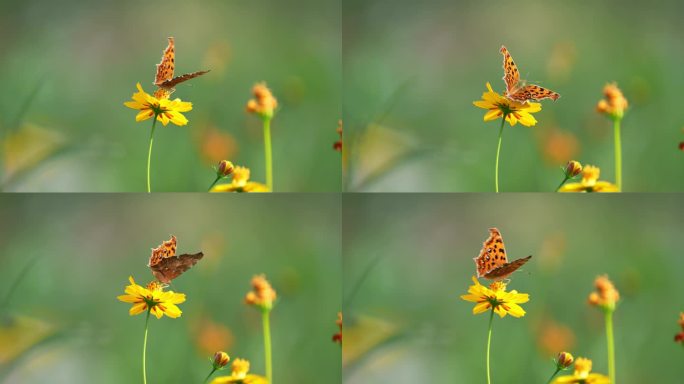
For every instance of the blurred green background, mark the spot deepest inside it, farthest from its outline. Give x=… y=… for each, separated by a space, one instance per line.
x=412 y=70
x=67 y=67
x=408 y=258
x=75 y=253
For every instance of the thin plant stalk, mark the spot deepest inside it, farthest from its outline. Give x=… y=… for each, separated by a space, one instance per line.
x=489 y=343
x=611 y=345
x=147 y=322
x=265 y=315
x=618 y=153
x=565 y=180
x=214 y=183
x=498 y=151
x=149 y=154
x=209 y=375
x=554 y=375
x=268 y=156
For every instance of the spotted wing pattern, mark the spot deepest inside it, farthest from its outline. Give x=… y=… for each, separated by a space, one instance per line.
x=517 y=92
x=167 y=65
x=166 y=266
x=492 y=262
x=511 y=73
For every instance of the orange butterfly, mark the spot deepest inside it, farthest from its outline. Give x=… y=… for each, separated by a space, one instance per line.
x=492 y=262
x=164 y=78
x=517 y=90
x=166 y=266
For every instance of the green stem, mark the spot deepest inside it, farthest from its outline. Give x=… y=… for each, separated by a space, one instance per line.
x=267 y=344
x=268 y=154
x=611 y=345
x=214 y=183
x=498 y=151
x=489 y=343
x=147 y=321
x=209 y=375
x=554 y=375
x=618 y=153
x=565 y=180
x=149 y=154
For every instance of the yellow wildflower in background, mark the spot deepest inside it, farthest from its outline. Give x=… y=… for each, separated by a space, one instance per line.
x=240 y=183
x=582 y=374
x=263 y=103
x=504 y=303
x=590 y=182
x=262 y=294
x=615 y=104
x=153 y=299
x=163 y=109
x=514 y=111
x=240 y=375
x=606 y=295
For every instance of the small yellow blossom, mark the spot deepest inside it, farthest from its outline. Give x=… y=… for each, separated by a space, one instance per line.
x=263 y=104
x=240 y=183
x=503 y=303
x=262 y=295
x=606 y=296
x=225 y=168
x=614 y=104
x=590 y=182
x=564 y=360
x=153 y=299
x=679 y=338
x=220 y=360
x=163 y=109
x=582 y=374
x=514 y=111
x=240 y=375
x=338 y=336
x=573 y=168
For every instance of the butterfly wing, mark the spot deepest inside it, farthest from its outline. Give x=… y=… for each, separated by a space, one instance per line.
x=170 y=268
x=503 y=271
x=167 y=65
x=165 y=250
x=533 y=92
x=180 y=79
x=511 y=73
x=492 y=255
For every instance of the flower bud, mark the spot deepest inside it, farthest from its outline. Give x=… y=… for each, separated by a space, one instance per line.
x=564 y=360
x=220 y=359
x=225 y=168
x=573 y=168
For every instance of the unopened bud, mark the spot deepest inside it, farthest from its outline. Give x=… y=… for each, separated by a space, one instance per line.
x=564 y=360
x=220 y=359
x=573 y=168
x=225 y=168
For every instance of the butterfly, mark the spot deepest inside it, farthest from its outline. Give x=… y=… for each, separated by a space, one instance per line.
x=492 y=262
x=164 y=78
x=166 y=266
x=520 y=91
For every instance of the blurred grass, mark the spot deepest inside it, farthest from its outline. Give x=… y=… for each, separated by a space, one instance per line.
x=446 y=51
x=88 y=245
x=427 y=243
x=95 y=52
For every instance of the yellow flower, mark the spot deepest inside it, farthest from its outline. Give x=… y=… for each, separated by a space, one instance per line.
x=240 y=375
x=262 y=294
x=614 y=104
x=514 y=111
x=582 y=374
x=153 y=299
x=163 y=109
x=606 y=296
x=240 y=183
x=590 y=182
x=263 y=104
x=504 y=303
